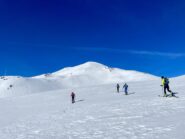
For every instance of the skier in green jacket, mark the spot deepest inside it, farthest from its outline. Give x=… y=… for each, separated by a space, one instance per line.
x=165 y=85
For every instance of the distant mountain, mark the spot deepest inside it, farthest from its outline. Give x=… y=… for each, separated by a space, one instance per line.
x=100 y=73
x=87 y=74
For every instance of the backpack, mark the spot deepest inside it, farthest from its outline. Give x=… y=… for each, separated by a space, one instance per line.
x=166 y=81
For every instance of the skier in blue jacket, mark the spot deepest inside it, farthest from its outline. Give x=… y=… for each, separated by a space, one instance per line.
x=126 y=88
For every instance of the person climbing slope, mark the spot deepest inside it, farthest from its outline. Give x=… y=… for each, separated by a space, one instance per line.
x=165 y=85
x=118 y=88
x=126 y=88
x=73 y=97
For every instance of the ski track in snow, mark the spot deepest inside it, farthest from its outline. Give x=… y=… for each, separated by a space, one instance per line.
x=100 y=113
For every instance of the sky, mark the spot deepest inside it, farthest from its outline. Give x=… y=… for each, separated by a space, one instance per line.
x=39 y=37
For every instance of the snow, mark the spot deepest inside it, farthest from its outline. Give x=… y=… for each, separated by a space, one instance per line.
x=99 y=113
x=87 y=74
x=102 y=73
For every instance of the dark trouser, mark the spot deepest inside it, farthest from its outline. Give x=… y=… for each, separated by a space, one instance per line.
x=118 y=89
x=73 y=99
x=166 y=87
x=126 y=90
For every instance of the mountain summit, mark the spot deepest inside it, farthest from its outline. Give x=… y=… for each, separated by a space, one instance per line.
x=101 y=73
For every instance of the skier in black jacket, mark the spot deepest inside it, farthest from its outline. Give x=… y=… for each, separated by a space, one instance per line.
x=73 y=97
x=118 y=88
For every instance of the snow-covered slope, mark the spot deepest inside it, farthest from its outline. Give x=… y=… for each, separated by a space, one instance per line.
x=100 y=73
x=99 y=113
x=103 y=74
x=13 y=86
x=88 y=74
x=179 y=78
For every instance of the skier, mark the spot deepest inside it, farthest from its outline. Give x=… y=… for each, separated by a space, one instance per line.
x=118 y=88
x=165 y=85
x=126 y=88
x=73 y=97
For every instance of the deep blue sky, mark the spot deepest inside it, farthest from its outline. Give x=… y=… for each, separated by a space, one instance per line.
x=44 y=36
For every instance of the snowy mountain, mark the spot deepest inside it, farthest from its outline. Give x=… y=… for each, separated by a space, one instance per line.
x=92 y=73
x=88 y=74
x=99 y=112
x=103 y=74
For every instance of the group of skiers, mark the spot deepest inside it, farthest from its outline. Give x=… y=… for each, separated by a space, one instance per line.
x=165 y=87
x=125 y=87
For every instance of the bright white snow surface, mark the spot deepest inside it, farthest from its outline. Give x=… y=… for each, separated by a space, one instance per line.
x=88 y=74
x=99 y=113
